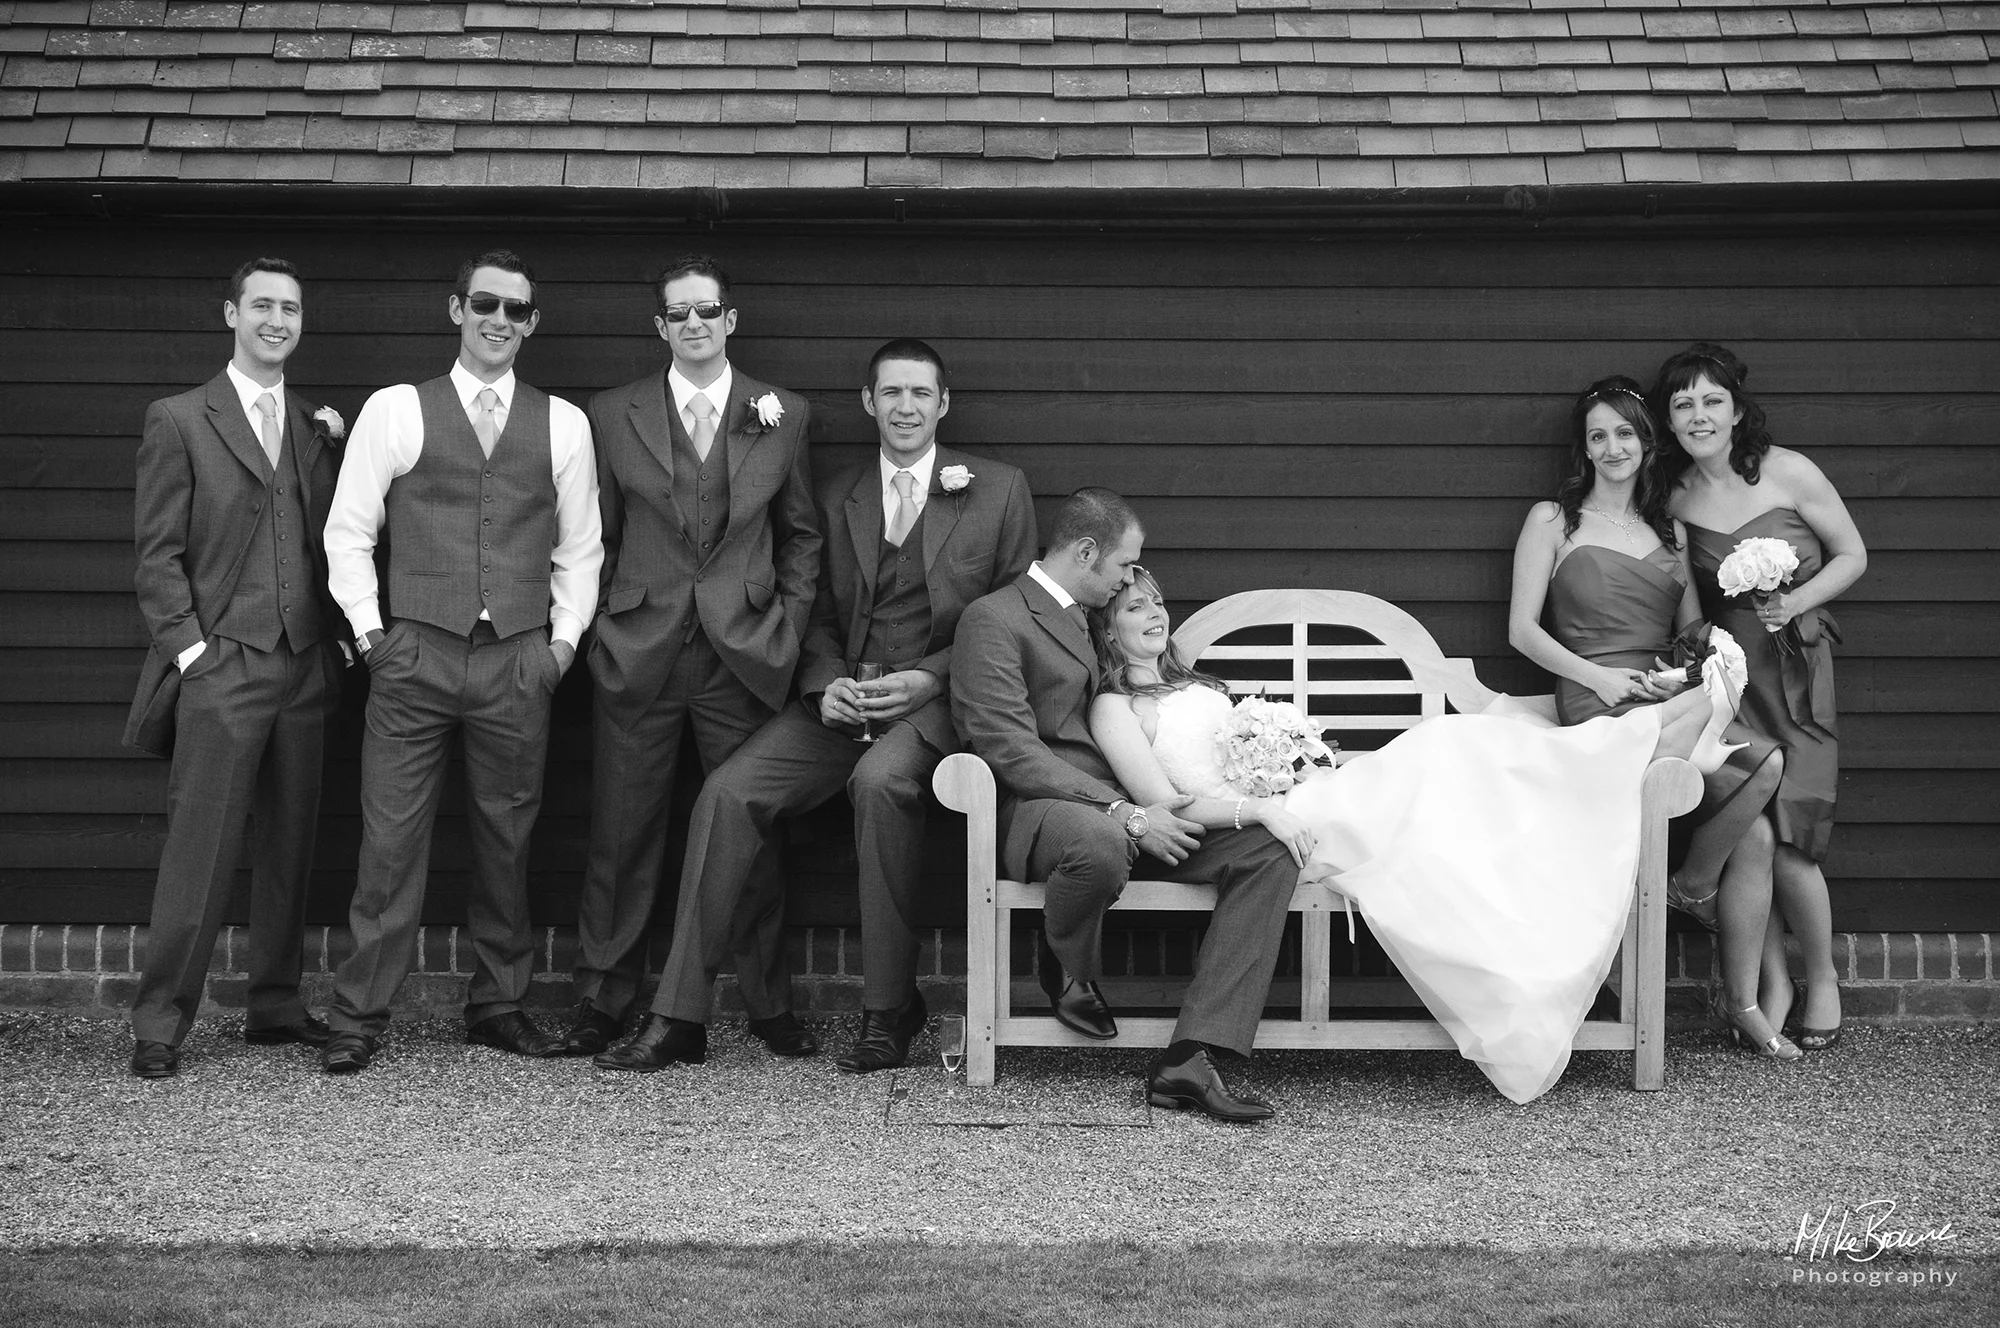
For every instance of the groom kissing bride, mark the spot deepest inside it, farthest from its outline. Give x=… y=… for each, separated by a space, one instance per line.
x=1492 y=859
x=1023 y=674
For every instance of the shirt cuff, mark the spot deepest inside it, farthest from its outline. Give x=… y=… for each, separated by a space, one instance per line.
x=365 y=617
x=190 y=655
x=565 y=626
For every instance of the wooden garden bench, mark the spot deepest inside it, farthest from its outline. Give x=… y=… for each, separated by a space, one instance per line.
x=1344 y=633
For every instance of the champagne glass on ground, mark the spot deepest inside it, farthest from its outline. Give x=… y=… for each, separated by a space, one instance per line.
x=951 y=1041
x=866 y=673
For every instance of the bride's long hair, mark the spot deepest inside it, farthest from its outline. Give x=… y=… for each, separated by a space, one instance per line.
x=1175 y=672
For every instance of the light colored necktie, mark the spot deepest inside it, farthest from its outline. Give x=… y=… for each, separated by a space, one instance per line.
x=906 y=507
x=267 y=406
x=703 y=429
x=484 y=422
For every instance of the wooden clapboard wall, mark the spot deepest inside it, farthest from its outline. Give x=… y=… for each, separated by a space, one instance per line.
x=1366 y=410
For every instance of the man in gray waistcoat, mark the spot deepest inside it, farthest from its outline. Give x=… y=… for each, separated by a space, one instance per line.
x=485 y=490
x=233 y=485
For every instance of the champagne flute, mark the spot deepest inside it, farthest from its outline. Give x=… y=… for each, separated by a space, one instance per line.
x=951 y=1041
x=865 y=673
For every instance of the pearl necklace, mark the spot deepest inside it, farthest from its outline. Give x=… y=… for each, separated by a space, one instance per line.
x=1624 y=527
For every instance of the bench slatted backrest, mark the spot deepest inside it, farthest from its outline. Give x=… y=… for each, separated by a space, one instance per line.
x=1361 y=667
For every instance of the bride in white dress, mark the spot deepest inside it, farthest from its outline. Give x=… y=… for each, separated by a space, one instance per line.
x=1492 y=859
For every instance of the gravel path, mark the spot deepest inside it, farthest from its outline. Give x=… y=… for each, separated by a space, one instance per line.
x=445 y=1145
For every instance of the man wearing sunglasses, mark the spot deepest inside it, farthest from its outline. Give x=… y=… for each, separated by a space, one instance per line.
x=485 y=490
x=711 y=547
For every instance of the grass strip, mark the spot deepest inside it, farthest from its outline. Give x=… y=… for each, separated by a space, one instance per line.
x=901 y=1283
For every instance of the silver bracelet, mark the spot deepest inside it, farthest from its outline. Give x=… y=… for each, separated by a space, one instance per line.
x=1239 y=812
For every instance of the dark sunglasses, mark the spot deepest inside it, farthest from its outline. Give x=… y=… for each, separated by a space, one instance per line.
x=678 y=313
x=518 y=311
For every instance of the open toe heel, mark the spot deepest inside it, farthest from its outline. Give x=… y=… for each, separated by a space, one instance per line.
x=1701 y=908
x=1776 y=1047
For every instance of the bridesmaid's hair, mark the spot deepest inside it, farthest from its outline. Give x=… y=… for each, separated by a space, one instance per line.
x=1175 y=672
x=1748 y=441
x=1649 y=496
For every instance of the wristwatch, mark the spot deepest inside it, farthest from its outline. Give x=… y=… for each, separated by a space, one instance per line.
x=1137 y=823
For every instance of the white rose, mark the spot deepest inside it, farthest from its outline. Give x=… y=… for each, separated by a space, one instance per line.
x=329 y=418
x=1724 y=647
x=769 y=410
x=953 y=478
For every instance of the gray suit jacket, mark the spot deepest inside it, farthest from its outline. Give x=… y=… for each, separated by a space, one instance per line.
x=975 y=540
x=753 y=594
x=1022 y=678
x=201 y=485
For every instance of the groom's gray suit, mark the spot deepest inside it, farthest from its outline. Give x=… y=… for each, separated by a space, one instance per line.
x=1022 y=677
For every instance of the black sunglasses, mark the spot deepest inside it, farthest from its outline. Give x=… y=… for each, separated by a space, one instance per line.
x=518 y=311
x=678 y=313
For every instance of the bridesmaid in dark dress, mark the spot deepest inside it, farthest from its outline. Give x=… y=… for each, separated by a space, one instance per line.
x=1726 y=483
x=1609 y=565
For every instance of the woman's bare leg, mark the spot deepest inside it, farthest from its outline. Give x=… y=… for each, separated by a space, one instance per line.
x=1802 y=894
x=1715 y=839
x=1745 y=912
x=1774 y=987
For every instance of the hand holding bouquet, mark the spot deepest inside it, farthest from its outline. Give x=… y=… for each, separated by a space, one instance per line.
x=1761 y=567
x=1266 y=747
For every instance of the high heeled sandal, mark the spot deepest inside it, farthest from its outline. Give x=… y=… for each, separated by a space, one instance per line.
x=1777 y=1047
x=1693 y=905
x=1816 y=1039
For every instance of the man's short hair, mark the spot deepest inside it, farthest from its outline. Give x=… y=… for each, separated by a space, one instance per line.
x=1094 y=514
x=907 y=348
x=690 y=265
x=504 y=259
x=277 y=265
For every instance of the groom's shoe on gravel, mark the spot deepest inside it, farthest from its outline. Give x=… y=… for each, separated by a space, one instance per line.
x=312 y=1032
x=347 y=1053
x=515 y=1032
x=1196 y=1083
x=590 y=1031
x=885 y=1037
x=784 y=1035
x=659 y=1042
x=155 y=1060
x=1077 y=1006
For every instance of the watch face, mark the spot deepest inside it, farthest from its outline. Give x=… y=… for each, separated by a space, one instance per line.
x=1136 y=824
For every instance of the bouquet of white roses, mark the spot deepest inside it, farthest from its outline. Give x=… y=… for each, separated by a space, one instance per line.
x=1266 y=747
x=1759 y=567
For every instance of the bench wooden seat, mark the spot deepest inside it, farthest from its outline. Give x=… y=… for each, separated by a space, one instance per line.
x=1363 y=667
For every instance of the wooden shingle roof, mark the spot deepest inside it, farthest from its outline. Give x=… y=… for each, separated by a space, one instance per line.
x=996 y=94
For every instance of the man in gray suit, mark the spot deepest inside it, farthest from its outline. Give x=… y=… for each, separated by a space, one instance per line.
x=1022 y=677
x=710 y=550
x=914 y=534
x=233 y=486
x=487 y=491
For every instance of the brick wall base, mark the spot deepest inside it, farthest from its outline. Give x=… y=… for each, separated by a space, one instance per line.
x=1887 y=977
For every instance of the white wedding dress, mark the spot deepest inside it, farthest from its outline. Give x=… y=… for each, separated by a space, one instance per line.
x=1493 y=859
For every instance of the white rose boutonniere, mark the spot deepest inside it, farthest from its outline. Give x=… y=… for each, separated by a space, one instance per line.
x=953 y=478
x=330 y=424
x=769 y=410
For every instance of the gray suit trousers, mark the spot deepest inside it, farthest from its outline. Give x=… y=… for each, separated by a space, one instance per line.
x=729 y=900
x=1086 y=859
x=250 y=727
x=425 y=685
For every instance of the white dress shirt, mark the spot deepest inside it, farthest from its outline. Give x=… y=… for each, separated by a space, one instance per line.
x=717 y=393
x=1063 y=597
x=920 y=470
x=386 y=441
x=248 y=390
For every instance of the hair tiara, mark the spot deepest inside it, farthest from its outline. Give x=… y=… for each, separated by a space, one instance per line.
x=1605 y=391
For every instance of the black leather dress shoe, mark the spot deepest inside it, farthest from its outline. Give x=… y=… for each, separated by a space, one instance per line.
x=1196 y=1084
x=347 y=1053
x=885 y=1037
x=313 y=1032
x=785 y=1035
x=515 y=1032
x=659 y=1042
x=1077 y=1006
x=590 y=1031
x=155 y=1060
